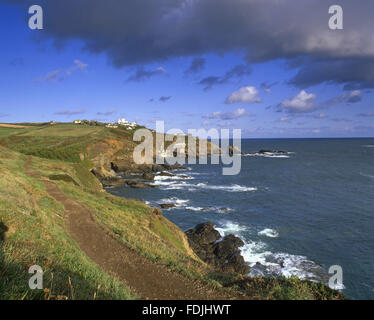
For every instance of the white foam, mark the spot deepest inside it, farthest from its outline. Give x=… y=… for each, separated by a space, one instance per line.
x=230 y=227
x=268 y=155
x=338 y=286
x=253 y=252
x=367 y=175
x=276 y=156
x=368 y=146
x=174 y=200
x=271 y=233
x=263 y=262
x=232 y=188
x=168 y=184
x=174 y=177
x=195 y=208
x=212 y=209
x=221 y=209
x=266 y=263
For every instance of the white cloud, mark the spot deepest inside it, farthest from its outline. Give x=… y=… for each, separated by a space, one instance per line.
x=320 y=116
x=349 y=97
x=106 y=113
x=143 y=74
x=70 y=112
x=366 y=114
x=238 y=113
x=244 y=94
x=303 y=102
x=62 y=74
x=284 y=119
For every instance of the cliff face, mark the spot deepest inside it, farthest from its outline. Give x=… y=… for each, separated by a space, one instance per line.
x=111 y=156
x=103 y=150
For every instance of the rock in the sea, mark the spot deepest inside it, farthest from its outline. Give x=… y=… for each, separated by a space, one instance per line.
x=176 y=166
x=233 y=150
x=222 y=253
x=166 y=174
x=148 y=176
x=137 y=184
x=183 y=176
x=262 y=151
x=112 y=182
x=108 y=179
x=157 y=168
x=167 y=205
x=121 y=166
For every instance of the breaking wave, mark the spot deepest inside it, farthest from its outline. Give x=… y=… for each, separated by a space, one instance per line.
x=264 y=262
x=271 y=233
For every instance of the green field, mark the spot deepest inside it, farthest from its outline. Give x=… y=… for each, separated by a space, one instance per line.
x=5 y=132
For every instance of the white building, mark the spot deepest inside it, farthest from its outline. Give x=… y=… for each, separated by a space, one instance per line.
x=112 y=125
x=126 y=123
x=77 y=121
x=123 y=122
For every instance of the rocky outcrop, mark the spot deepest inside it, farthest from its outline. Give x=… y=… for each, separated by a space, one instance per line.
x=156 y=211
x=138 y=184
x=264 y=151
x=148 y=176
x=107 y=178
x=167 y=205
x=221 y=252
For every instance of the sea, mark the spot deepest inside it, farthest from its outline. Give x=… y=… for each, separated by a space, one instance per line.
x=299 y=213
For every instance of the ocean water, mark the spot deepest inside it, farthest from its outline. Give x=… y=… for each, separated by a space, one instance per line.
x=298 y=214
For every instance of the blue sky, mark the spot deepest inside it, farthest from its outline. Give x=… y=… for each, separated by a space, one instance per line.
x=49 y=76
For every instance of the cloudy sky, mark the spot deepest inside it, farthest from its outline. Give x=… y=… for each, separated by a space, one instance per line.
x=270 y=67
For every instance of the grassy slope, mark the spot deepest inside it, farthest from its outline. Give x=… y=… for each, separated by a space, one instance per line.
x=32 y=225
x=35 y=232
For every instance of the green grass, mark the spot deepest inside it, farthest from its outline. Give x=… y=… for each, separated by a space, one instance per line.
x=36 y=233
x=32 y=231
x=5 y=132
x=63 y=141
x=62 y=177
x=282 y=288
x=63 y=131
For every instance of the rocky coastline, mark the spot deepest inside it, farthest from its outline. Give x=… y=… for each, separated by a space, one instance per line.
x=221 y=253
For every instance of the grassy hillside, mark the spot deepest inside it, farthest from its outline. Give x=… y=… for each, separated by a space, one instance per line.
x=32 y=231
x=61 y=141
x=32 y=228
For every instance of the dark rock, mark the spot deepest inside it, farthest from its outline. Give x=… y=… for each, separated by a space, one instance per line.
x=166 y=174
x=148 y=176
x=121 y=166
x=137 y=184
x=262 y=151
x=176 y=166
x=145 y=168
x=167 y=205
x=156 y=211
x=157 y=168
x=265 y=151
x=112 y=182
x=203 y=234
x=222 y=253
x=183 y=176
